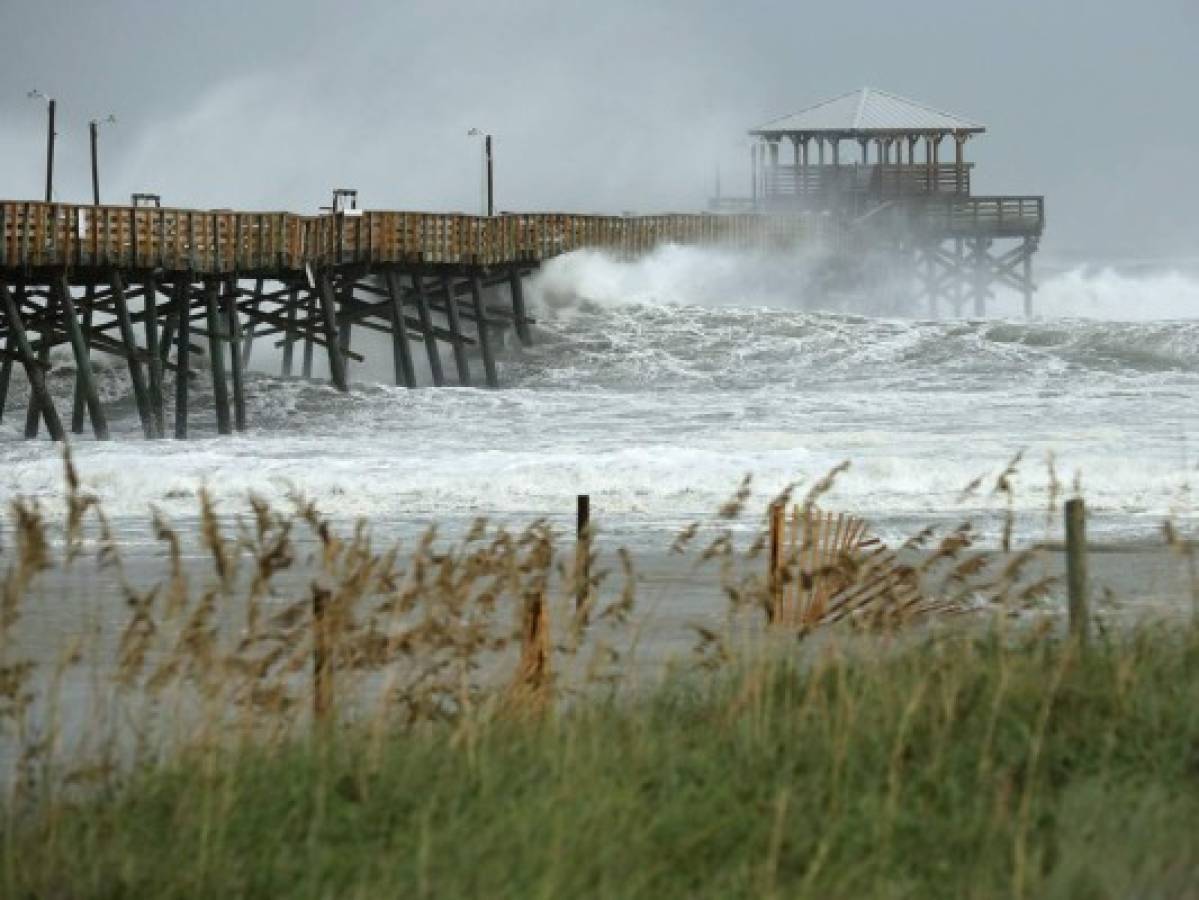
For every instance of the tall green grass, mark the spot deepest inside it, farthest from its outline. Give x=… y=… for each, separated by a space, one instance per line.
x=952 y=766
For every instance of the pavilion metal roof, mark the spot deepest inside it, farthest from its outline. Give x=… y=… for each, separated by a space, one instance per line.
x=867 y=111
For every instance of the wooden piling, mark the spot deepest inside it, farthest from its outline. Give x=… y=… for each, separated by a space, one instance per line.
x=85 y=381
x=182 y=357
x=79 y=404
x=1076 y=568
x=141 y=394
x=405 y=372
x=33 y=413
x=248 y=344
x=37 y=381
x=310 y=322
x=516 y=288
x=484 y=331
x=289 y=339
x=451 y=313
x=322 y=657
x=233 y=320
x=337 y=368
x=426 y=325
x=774 y=576
x=582 y=550
x=5 y=375
x=150 y=321
x=216 y=356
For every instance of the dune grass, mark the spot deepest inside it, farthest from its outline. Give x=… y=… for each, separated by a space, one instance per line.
x=951 y=766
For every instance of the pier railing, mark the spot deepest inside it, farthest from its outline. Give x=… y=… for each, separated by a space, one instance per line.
x=43 y=235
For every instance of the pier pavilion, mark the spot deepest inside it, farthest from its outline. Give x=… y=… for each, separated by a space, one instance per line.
x=894 y=174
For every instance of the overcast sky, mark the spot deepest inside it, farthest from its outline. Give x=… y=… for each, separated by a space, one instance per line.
x=598 y=106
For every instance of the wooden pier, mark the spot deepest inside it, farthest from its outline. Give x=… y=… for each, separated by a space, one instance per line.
x=154 y=286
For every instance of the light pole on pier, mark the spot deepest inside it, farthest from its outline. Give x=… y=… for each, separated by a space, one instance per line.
x=50 y=105
x=475 y=132
x=94 y=128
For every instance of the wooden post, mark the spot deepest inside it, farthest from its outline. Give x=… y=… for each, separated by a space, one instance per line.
x=1026 y=282
x=248 y=344
x=310 y=322
x=476 y=289
x=84 y=381
x=216 y=356
x=150 y=312
x=5 y=374
x=46 y=335
x=519 y=315
x=236 y=355
x=582 y=550
x=337 y=368
x=37 y=381
x=405 y=373
x=1076 y=567
x=141 y=394
x=79 y=405
x=322 y=663
x=451 y=314
x=289 y=341
x=345 y=326
x=778 y=515
x=182 y=356
x=426 y=324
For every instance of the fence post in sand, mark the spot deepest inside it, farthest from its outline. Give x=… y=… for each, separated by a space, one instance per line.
x=322 y=663
x=582 y=550
x=1076 y=567
x=778 y=514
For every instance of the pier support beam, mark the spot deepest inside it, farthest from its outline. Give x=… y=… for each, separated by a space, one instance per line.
x=46 y=339
x=310 y=323
x=141 y=394
x=216 y=356
x=79 y=404
x=38 y=392
x=455 y=323
x=484 y=331
x=426 y=325
x=233 y=321
x=150 y=322
x=337 y=365
x=182 y=356
x=85 y=382
x=405 y=372
x=289 y=335
x=516 y=287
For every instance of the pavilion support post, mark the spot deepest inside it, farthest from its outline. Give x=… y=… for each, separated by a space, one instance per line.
x=337 y=366
x=33 y=414
x=236 y=355
x=141 y=392
x=520 y=316
x=959 y=276
x=216 y=355
x=289 y=339
x=157 y=404
x=405 y=372
x=35 y=373
x=1030 y=247
x=310 y=321
x=182 y=357
x=455 y=323
x=79 y=404
x=484 y=331
x=426 y=325
x=84 y=379
x=981 y=259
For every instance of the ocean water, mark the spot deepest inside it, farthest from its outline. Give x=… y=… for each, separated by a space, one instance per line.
x=657 y=385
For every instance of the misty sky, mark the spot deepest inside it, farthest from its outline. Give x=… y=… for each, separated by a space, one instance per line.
x=598 y=106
